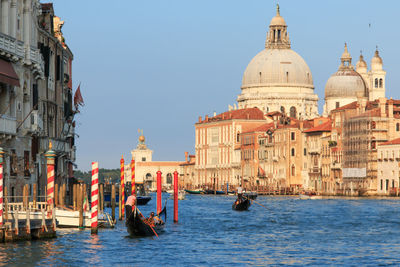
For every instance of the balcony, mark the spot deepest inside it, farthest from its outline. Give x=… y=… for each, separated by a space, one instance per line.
x=314 y=170
x=336 y=165
x=58 y=145
x=8 y=126
x=15 y=50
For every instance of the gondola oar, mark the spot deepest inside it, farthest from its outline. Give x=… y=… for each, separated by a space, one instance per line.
x=255 y=202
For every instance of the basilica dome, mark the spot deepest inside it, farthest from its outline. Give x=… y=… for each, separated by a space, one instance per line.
x=277 y=67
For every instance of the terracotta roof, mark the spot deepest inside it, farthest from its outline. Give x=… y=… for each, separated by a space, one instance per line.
x=324 y=127
x=376 y=112
x=262 y=128
x=352 y=105
x=391 y=142
x=273 y=113
x=238 y=114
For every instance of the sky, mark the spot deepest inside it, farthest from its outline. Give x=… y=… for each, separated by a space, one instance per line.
x=159 y=65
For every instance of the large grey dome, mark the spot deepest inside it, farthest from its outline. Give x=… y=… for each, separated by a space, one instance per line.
x=345 y=83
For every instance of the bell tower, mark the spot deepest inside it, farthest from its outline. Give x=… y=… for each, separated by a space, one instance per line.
x=277 y=37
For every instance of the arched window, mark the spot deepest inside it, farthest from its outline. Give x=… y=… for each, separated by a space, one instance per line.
x=238 y=137
x=293 y=112
x=373 y=125
x=287 y=76
x=376 y=83
x=260 y=76
x=293 y=152
x=380 y=83
x=148 y=176
x=282 y=109
x=293 y=170
x=169 y=178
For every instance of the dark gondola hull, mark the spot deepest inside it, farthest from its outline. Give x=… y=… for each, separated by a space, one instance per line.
x=142 y=200
x=136 y=225
x=243 y=205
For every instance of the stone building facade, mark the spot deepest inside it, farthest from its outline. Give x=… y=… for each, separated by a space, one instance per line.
x=24 y=96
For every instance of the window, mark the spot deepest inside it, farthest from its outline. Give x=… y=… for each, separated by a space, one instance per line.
x=376 y=83
x=397 y=127
x=293 y=170
x=293 y=136
x=381 y=184
x=282 y=109
x=287 y=76
x=293 y=152
x=293 y=112
x=305 y=152
x=238 y=137
x=337 y=104
x=279 y=34
x=143 y=159
x=26 y=164
x=169 y=178
x=380 y=83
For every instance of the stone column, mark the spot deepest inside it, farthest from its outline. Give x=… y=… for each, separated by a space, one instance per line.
x=5 y=6
x=27 y=29
x=13 y=19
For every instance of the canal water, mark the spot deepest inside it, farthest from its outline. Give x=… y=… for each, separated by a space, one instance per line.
x=289 y=231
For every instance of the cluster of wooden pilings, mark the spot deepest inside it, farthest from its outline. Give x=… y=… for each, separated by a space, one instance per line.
x=26 y=218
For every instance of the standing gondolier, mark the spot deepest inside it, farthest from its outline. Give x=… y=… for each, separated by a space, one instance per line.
x=130 y=205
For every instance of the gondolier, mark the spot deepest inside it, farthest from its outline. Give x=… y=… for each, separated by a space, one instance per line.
x=130 y=205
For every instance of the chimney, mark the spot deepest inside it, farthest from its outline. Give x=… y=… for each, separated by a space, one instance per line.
x=206 y=118
x=199 y=119
x=390 y=108
x=215 y=114
x=382 y=105
x=186 y=156
x=301 y=125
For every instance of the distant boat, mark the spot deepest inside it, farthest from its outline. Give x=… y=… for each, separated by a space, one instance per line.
x=309 y=195
x=212 y=192
x=195 y=192
x=242 y=204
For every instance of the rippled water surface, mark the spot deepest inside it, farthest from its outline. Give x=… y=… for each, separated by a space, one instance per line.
x=289 y=232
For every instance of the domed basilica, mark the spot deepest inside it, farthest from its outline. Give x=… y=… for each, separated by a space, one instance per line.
x=278 y=79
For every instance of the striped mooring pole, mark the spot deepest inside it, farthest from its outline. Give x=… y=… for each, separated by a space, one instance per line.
x=1 y=186
x=122 y=196
x=50 y=156
x=133 y=178
x=176 y=196
x=159 y=189
x=95 y=196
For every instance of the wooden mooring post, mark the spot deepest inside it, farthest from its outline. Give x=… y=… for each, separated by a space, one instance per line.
x=113 y=202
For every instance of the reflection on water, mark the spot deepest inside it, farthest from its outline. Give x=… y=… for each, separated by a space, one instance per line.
x=289 y=232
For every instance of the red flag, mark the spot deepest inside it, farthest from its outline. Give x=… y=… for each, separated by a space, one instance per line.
x=261 y=172
x=78 y=99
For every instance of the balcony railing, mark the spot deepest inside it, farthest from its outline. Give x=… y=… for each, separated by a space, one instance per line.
x=8 y=125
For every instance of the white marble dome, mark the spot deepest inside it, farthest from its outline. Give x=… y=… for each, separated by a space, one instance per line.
x=275 y=68
x=345 y=83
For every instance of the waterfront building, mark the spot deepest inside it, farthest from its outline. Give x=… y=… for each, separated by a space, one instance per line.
x=187 y=176
x=218 y=146
x=317 y=138
x=278 y=79
x=146 y=169
x=25 y=94
x=369 y=124
x=52 y=100
x=388 y=167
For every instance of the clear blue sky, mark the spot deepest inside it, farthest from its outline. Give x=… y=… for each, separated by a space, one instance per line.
x=158 y=65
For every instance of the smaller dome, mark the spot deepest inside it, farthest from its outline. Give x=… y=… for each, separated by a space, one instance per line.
x=376 y=61
x=361 y=65
x=345 y=83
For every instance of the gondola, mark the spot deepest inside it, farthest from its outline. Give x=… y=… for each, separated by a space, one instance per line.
x=195 y=192
x=243 y=204
x=137 y=226
x=142 y=200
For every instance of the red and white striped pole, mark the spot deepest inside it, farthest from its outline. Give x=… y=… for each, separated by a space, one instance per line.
x=133 y=185
x=1 y=186
x=95 y=195
x=50 y=156
x=122 y=196
x=175 y=196
x=159 y=189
